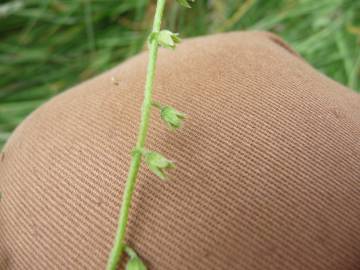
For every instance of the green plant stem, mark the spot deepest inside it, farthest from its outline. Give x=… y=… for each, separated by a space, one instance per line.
x=119 y=244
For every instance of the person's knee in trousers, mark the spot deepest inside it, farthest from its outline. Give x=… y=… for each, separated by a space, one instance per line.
x=267 y=162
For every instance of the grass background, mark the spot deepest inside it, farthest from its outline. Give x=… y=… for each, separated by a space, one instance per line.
x=47 y=46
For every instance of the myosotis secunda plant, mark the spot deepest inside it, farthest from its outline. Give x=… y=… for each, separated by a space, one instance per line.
x=157 y=163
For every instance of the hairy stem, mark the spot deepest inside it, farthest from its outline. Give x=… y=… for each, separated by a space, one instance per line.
x=119 y=244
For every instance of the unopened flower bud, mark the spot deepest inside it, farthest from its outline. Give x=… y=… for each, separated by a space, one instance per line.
x=134 y=263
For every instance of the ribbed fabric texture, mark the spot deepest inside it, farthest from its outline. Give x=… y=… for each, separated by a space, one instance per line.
x=267 y=177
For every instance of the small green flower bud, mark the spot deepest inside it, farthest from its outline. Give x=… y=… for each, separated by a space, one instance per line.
x=135 y=263
x=172 y=117
x=158 y=163
x=185 y=3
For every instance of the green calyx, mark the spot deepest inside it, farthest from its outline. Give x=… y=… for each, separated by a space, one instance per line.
x=157 y=163
x=172 y=117
x=134 y=263
x=165 y=38
x=185 y=3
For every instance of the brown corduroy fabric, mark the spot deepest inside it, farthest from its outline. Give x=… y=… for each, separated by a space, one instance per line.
x=267 y=177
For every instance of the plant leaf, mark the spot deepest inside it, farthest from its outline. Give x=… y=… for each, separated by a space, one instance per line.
x=185 y=3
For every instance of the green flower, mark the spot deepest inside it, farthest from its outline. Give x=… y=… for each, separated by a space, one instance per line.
x=165 y=38
x=134 y=263
x=172 y=117
x=185 y=3
x=158 y=163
